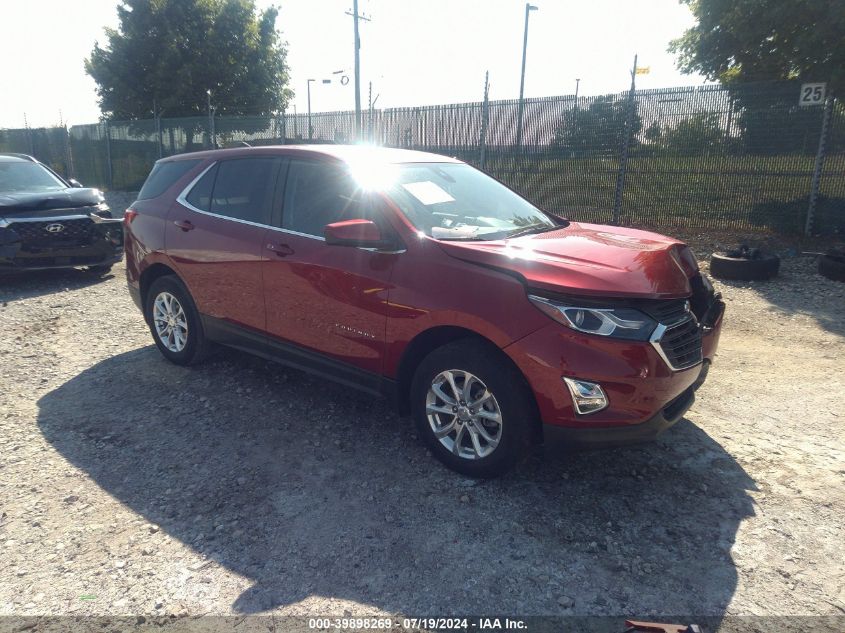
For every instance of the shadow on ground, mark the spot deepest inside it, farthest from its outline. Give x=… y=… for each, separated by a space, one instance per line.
x=308 y=489
x=36 y=283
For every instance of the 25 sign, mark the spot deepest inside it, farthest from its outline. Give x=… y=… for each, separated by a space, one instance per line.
x=812 y=94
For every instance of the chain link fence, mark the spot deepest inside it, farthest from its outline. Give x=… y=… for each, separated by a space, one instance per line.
x=742 y=157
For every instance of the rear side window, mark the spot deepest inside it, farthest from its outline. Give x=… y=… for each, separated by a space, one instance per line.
x=163 y=176
x=243 y=188
x=200 y=195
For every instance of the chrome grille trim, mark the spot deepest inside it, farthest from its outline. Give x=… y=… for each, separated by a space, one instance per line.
x=660 y=332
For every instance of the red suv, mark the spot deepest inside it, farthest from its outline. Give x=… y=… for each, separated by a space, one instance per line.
x=418 y=277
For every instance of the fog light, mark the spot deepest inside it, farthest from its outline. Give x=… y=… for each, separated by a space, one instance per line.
x=588 y=397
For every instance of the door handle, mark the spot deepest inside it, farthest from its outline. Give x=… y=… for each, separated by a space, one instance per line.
x=184 y=225
x=282 y=250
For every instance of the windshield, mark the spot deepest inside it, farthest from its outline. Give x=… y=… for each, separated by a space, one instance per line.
x=453 y=201
x=26 y=177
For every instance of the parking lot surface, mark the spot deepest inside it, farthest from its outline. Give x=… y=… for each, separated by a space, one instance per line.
x=129 y=485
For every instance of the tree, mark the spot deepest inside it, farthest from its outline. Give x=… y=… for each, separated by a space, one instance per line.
x=653 y=133
x=598 y=128
x=697 y=135
x=754 y=40
x=171 y=52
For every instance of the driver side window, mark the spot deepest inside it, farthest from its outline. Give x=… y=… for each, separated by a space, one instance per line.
x=317 y=194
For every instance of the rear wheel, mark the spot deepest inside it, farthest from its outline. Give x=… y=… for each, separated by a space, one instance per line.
x=472 y=408
x=174 y=322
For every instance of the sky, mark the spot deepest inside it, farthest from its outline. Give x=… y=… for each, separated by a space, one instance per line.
x=415 y=52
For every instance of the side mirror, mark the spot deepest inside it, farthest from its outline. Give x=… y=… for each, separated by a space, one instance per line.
x=75 y=183
x=362 y=233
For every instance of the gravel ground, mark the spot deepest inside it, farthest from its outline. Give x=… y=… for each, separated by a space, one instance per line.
x=132 y=486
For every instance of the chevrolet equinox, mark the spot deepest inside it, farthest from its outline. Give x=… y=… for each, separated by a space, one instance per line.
x=417 y=277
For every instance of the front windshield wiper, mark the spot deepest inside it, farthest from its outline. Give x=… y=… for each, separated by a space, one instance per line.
x=463 y=238
x=531 y=230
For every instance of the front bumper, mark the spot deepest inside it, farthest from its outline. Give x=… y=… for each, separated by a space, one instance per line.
x=645 y=395
x=556 y=436
x=102 y=246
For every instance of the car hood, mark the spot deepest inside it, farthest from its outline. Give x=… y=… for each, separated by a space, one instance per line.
x=586 y=259
x=60 y=199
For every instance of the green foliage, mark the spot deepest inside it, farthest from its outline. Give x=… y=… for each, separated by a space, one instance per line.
x=653 y=133
x=170 y=52
x=760 y=110
x=696 y=135
x=598 y=128
x=753 y=40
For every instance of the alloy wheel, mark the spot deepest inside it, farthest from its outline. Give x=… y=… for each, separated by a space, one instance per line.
x=170 y=322
x=463 y=414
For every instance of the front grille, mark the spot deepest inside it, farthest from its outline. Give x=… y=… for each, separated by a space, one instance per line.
x=681 y=344
x=75 y=231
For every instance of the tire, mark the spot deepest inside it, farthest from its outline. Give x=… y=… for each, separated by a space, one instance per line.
x=491 y=373
x=832 y=267
x=724 y=266
x=100 y=270
x=186 y=343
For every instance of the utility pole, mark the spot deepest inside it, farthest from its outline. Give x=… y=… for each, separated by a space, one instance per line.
x=577 y=82
x=528 y=9
x=355 y=17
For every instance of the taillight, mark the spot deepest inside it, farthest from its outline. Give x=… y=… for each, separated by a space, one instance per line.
x=129 y=215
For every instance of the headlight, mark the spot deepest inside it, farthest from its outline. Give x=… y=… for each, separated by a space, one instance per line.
x=625 y=323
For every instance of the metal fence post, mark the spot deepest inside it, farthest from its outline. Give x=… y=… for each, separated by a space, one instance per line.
x=623 y=158
x=819 y=166
x=109 y=172
x=158 y=132
x=68 y=154
x=485 y=115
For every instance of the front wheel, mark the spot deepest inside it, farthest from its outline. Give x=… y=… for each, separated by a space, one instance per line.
x=472 y=407
x=174 y=322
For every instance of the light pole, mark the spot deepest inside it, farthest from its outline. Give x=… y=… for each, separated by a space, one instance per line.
x=310 y=131
x=528 y=9
x=577 y=81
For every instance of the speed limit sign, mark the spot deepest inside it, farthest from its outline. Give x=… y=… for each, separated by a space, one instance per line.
x=812 y=94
